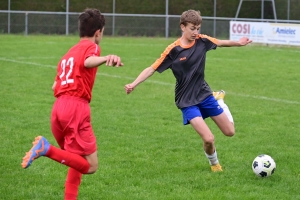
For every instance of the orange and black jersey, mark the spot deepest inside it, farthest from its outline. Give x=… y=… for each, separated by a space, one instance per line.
x=187 y=64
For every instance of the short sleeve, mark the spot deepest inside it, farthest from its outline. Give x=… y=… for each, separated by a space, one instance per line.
x=166 y=59
x=92 y=50
x=210 y=42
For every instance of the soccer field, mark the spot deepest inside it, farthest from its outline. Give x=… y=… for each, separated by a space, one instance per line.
x=145 y=153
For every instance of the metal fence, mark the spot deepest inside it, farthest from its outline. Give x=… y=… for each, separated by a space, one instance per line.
x=34 y=22
x=163 y=25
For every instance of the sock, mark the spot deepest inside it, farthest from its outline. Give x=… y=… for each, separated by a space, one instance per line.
x=213 y=159
x=69 y=159
x=72 y=184
x=226 y=110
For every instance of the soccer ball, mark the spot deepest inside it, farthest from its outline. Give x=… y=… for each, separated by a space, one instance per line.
x=263 y=165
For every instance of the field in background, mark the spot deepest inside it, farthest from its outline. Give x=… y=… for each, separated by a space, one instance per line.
x=144 y=150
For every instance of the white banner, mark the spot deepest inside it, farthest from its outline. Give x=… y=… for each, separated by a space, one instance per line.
x=268 y=33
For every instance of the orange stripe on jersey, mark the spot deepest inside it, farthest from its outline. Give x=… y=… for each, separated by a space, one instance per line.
x=156 y=64
x=214 y=40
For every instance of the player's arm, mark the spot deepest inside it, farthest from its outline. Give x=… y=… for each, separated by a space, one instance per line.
x=146 y=73
x=230 y=43
x=110 y=60
x=54 y=84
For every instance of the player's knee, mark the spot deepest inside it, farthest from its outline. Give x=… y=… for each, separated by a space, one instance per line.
x=229 y=132
x=93 y=168
x=209 y=141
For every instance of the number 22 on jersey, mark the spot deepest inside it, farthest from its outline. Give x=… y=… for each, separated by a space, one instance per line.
x=67 y=69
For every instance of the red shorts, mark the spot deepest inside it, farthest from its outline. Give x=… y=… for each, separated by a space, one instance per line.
x=71 y=125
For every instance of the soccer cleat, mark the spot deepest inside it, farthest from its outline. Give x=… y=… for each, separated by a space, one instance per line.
x=216 y=168
x=39 y=148
x=219 y=95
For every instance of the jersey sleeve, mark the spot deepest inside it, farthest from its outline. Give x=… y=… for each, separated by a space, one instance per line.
x=210 y=42
x=92 y=50
x=165 y=61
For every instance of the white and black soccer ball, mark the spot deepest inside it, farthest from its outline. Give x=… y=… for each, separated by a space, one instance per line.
x=263 y=165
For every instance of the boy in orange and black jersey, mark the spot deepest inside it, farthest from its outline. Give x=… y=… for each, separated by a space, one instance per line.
x=193 y=96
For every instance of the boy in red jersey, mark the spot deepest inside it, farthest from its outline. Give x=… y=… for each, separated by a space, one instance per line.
x=70 y=118
x=193 y=96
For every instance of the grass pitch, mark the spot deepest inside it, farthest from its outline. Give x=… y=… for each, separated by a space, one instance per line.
x=144 y=150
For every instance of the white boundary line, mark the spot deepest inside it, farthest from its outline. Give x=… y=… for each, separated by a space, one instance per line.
x=156 y=82
x=37 y=57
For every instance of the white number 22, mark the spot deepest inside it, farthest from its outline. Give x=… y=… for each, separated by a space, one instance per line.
x=66 y=72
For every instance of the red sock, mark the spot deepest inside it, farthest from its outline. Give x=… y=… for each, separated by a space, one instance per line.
x=72 y=160
x=72 y=184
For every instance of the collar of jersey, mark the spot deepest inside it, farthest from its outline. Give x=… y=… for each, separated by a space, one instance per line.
x=185 y=46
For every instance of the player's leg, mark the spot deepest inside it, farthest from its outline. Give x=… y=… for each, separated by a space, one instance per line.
x=74 y=177
x=93 y=160
x=72 y=184
x=225 y=120
x=224 y=124
x=208 y=138
x=208 y=142
x=41 y=147
x=220 y=96
x=79 y=138
x=208 y=108
x=64 y=127
x=193 y=116
x=73 y=131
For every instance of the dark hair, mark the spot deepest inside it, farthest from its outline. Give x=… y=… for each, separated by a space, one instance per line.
x=89 y=22
x=191 y=16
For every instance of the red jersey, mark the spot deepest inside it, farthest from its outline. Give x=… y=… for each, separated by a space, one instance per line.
x=73 y=78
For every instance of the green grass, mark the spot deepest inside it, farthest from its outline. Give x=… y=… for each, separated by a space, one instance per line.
x=144 y=150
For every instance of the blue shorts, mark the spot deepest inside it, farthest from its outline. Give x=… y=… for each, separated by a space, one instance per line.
x=207 y=108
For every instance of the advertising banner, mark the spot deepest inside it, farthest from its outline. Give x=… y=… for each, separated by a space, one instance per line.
x=268 y=33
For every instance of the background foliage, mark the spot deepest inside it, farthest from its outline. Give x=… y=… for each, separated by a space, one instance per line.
x=225 y=8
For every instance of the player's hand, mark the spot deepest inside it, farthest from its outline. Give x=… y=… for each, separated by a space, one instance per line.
x=114 y=61
x=128 y=88
x=244 y=41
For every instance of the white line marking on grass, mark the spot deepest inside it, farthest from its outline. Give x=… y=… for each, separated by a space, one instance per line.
x=266 y=98
x=37 y=57
x=156 y=82
x=280 y=49
x=27 y=63
x=236 y=94
x=241 y=59
x=130 y=78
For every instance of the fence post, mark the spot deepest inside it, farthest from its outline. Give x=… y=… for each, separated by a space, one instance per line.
x=26 y=23
x=8 y=19
x=262 y=9
x=67 y=17
x=113 y=17
x=167 y=19
x=215 y=14
x=288 y=10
